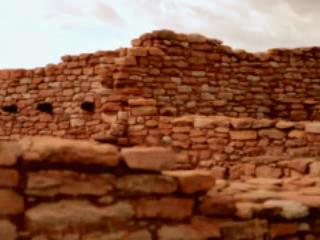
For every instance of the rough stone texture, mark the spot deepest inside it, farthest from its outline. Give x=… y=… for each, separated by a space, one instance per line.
x=9 y=178
x=151 y=158
x=193 y=181
x=53 y=183
x=167 y=208
x=56 y=150
x=146 y=184
x=7 y=230
x=11 y=203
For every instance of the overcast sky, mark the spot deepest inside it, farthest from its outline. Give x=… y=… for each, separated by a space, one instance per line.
x=37 y=32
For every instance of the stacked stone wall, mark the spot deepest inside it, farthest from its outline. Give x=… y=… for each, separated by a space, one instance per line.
x=69 y=189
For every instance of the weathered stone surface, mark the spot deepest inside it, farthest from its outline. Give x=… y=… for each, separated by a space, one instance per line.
x=63 y=214
x=11 y=203
x=289 y=209
x=144 y=111
x=218 y=205
x=241 y=123
x=312 y=127
x=50 y=149
x=136 y=235
x=167 y=208
x=209 y=122
x=272 y=133
x=268 y=172
x=146 y=184
x=243 y=135
x=9 y=153
x=9 y=177
x=52 y=183
x=141 y=102
x=193 y=180
x=8 y=231
x=149 y=158
x=179 y=232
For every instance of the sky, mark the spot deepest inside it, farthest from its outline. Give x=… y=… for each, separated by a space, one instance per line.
x=38 y=32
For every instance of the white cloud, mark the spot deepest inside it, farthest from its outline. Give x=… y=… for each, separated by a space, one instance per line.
x=37 y=32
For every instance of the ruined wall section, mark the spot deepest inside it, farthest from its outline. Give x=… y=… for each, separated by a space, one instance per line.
x=69 y=189
x=179 y=74
x=47 y=101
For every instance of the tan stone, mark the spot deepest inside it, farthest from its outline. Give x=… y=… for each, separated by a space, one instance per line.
x=243 y=135
x=52 y=183
x=219 y=204
x=9 y=177
x=146 y=184
x=9 y=153
x=241 y=123
x=8 y=231
x=11 y=203
x=57 y=150
x=312 y=127
x=149 y=158
x=141 y=102
x=210 y=122
x=284 y=124
x=272 y=133
x=167 y=208
x=72 y=213
x=180 y=232
x=191 y=181
x=268 y=172
x=144 y=111
x=137 y=51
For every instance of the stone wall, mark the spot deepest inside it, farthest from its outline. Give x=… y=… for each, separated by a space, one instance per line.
x=180 y=74
x=69 y=189
x=233 y=147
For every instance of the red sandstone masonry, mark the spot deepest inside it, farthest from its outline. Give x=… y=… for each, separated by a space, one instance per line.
x=178 y=74
x=60 y=197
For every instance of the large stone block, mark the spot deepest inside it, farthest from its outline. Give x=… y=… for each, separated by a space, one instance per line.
x=191 y=181
x=166 y=208
x=8 y=231
x=52 y=183
x=55 y=150
x=11 y=203
x=149 y=158
x=146 y=184
x=9 y=177
x=243 y=135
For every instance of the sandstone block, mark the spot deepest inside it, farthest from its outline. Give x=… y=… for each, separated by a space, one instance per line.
x=52 y=183
x=180 y=232
x=57 y=150
x=9 y=153
x=268 y=172
x=8 y=231
x=167 y=208
x=146 y=184
x=312 y=127
x=137 y=52
x=9 y=178
x=243 y=135
x=210 y=122
x=272 y=133
x=191 y=181
x=241 y=123
x=219 y=205
x=73 y=213
x=11 y=203
x=149 y=158
x=141 y=102
x=144 y=111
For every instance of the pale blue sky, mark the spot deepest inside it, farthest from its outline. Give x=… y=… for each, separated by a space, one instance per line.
x=38 y=32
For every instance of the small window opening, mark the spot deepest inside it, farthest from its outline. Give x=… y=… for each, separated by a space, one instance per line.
x=45 y=107
x=10 y=108
x=88 y=106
